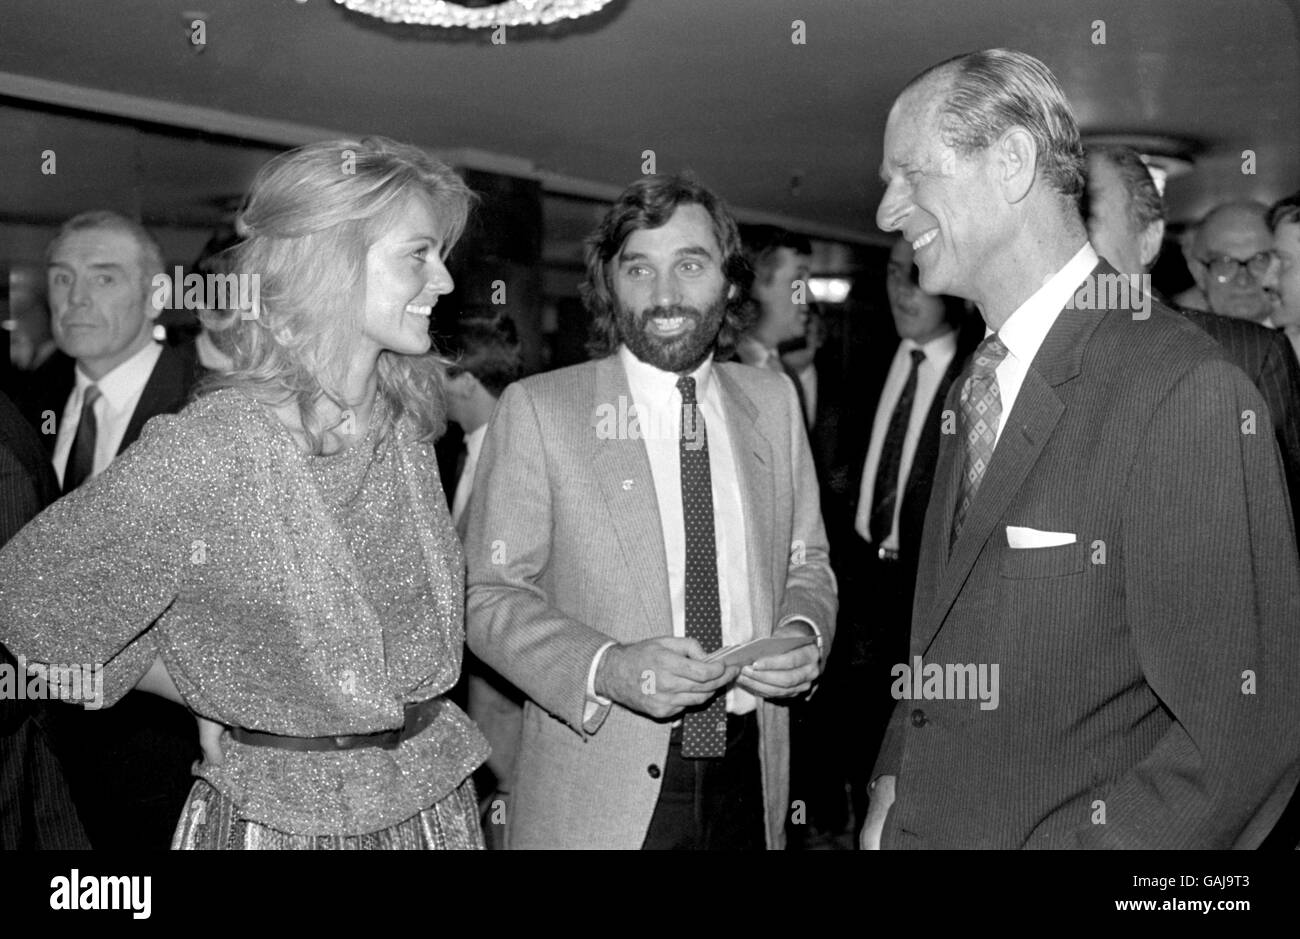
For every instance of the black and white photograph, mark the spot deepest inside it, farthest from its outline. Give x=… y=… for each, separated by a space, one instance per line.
x=650 y=425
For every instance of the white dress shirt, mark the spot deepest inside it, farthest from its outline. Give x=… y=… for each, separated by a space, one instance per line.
x=659 y=412
x=939 y=353
x=1024 y=331
x=120 y=392
x=473 y=445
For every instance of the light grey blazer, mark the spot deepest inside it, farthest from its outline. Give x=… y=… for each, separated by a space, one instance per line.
x=565 y=552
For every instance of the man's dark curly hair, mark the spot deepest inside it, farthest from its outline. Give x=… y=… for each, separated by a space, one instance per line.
x=649 y=203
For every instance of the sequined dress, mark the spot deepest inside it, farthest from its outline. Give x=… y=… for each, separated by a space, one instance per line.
x=290 y=594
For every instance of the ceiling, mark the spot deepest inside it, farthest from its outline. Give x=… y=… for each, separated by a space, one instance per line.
x=715 y=86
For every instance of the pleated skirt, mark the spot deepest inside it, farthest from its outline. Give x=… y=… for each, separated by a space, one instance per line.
x=212 y=822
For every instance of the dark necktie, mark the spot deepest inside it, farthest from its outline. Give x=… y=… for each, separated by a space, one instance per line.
x=981 y=409
x=81 y=459
x=704 y=731
x=801 y=395
x=885 y=494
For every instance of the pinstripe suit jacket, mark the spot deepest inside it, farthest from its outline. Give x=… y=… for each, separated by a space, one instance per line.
x=36 y=809
x=565 y=552
x=1266 y=358
x=1149 y=674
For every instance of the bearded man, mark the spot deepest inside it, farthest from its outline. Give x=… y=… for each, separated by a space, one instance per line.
x=630 y=516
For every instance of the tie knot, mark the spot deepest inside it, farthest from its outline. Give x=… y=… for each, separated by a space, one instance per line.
x=686 y=385
x=918 y=356
x=988 y=355
x=91 y=396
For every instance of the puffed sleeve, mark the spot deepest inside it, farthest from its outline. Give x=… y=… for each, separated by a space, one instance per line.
x=83 y=583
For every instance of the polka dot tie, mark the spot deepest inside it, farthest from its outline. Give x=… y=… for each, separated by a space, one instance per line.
x=704 y=731
x=981 y=409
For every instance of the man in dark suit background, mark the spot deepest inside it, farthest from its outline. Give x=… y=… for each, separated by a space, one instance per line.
x=892 y=470
x=1126 y=224
x=875 y=541
x=36 y=810
x=128 y=765
x=100 y=270
x=1103 y=648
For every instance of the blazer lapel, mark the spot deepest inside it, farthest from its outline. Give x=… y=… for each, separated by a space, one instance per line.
x=755 y=468
x=628 y=487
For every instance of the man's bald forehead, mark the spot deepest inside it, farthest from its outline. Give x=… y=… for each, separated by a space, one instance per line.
x=928 y=90
x=1232 y=219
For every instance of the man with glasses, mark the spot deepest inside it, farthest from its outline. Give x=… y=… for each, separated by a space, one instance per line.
x=1229 y=256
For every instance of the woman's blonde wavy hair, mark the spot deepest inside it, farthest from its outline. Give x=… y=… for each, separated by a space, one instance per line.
x=307 y=225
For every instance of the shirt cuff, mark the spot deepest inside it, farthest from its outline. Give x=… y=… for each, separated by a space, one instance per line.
x=798 y=619
x=594 y=701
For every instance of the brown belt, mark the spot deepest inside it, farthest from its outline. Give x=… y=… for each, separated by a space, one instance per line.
x=418 y=716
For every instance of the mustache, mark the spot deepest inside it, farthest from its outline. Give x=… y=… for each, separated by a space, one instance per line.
x=668 y=312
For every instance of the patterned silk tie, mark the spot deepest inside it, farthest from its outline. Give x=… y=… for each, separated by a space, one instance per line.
x=704 y=731
x=981 y=409
x=885 y=494
x=81 y=458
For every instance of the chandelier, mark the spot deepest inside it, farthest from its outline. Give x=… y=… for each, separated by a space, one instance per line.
x=443 y=13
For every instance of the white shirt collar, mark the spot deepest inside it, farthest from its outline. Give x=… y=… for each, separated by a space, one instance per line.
x=937 y=348
x=651 y=384
x=125 y=382
x=474 y=440
x=1026 y=328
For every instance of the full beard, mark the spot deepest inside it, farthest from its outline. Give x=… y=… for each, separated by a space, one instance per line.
x=680 y=354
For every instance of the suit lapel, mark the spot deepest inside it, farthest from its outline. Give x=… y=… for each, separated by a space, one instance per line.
x=1036 y=411
x=752 y=452
x=163 y=393
x=1026 y=430
x=628 y=487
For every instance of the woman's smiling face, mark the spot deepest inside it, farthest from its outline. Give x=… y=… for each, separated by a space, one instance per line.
x=405 y=276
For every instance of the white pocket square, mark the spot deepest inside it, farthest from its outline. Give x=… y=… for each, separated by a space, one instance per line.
x=1018 y=537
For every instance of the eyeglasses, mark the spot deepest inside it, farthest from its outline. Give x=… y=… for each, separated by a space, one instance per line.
x=1224 y=268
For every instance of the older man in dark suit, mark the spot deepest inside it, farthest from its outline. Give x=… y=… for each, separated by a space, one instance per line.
x=1126 y=224
x=1103 y=641
x=36 y=810
x=129 y=765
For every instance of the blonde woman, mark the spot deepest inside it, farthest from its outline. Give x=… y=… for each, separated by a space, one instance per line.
x=279 y=556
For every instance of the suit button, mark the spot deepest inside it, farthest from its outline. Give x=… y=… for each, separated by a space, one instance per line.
x=653 y=771
x=919 y=718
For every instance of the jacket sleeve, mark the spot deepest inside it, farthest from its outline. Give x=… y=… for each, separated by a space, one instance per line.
x=84 y=582
x=810 y=590
x=1212 y=586
x=511 y=623
x=1279 y=382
